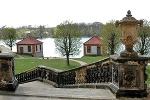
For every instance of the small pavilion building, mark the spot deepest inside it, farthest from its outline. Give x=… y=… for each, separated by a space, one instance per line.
x=31 y=46
x=93 y=46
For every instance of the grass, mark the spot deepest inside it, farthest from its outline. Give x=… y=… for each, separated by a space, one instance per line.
x=148 y=74
x=28 y=63
x=90 y=59
x=16 y=56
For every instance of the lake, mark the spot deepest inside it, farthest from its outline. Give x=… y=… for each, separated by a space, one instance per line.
x=49 y=48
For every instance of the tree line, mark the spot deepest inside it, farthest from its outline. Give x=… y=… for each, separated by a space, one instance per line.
x=42 y=31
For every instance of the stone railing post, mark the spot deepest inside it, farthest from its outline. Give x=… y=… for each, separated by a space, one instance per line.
x=8 y=80
x=128 y=68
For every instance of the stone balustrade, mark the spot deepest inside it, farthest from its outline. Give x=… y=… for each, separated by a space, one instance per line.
x=97 y=72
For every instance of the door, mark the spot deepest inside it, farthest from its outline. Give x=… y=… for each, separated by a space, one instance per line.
x=98 y=51
x=21 y=50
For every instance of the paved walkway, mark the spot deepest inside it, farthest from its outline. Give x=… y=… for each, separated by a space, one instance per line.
x=19 y=56
x=80 y=62
x=42 y=91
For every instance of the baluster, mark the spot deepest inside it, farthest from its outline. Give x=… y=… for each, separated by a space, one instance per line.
x=27 y=76
x=36 y=73
x=21 y=77
x=88 y=75
x=92 y=75
x=64 y=79
x=39 y=72
x=47 y=74
x=24 y=76
x=70 y=77
x=33 y=74
x=102 y=75
x=73 y=77
x=30 y=75
x=50 y=75
x=55 y=77
x=67 y=78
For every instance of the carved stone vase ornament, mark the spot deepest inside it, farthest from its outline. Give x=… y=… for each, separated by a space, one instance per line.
x=129 y=26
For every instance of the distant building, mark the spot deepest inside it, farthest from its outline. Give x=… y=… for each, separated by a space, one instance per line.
x=30 y=45
x=93 y=46
x=4 y=49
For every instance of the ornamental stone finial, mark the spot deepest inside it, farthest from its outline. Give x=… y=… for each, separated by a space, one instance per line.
x=129 y=26
x=128 y=13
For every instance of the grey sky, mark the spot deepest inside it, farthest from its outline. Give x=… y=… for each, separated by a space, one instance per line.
x=53 y=12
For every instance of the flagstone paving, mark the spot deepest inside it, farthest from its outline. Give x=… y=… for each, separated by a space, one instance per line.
x=39 y=90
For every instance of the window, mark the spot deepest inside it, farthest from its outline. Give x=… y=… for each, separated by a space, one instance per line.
x=36 y=48
x=88 y=49
x=40 y=47
x=29 y=48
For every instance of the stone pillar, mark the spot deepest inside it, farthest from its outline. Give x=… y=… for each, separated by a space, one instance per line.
x=128 y=76
x=8 y=82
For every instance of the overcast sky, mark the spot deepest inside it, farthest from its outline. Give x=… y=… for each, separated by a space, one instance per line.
x=14 y=13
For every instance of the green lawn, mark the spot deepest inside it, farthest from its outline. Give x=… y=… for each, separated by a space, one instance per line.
x=28 y=63
x=148 y=74
x=90 y=59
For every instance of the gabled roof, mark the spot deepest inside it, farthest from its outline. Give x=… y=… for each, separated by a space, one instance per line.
x=29 y=40
x=95 y=40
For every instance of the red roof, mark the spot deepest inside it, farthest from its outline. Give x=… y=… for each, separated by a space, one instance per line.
x=95 y=40
x=29 y=40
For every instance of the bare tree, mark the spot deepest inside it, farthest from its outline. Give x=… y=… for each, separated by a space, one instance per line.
x=143 y=44
x=67 y=39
